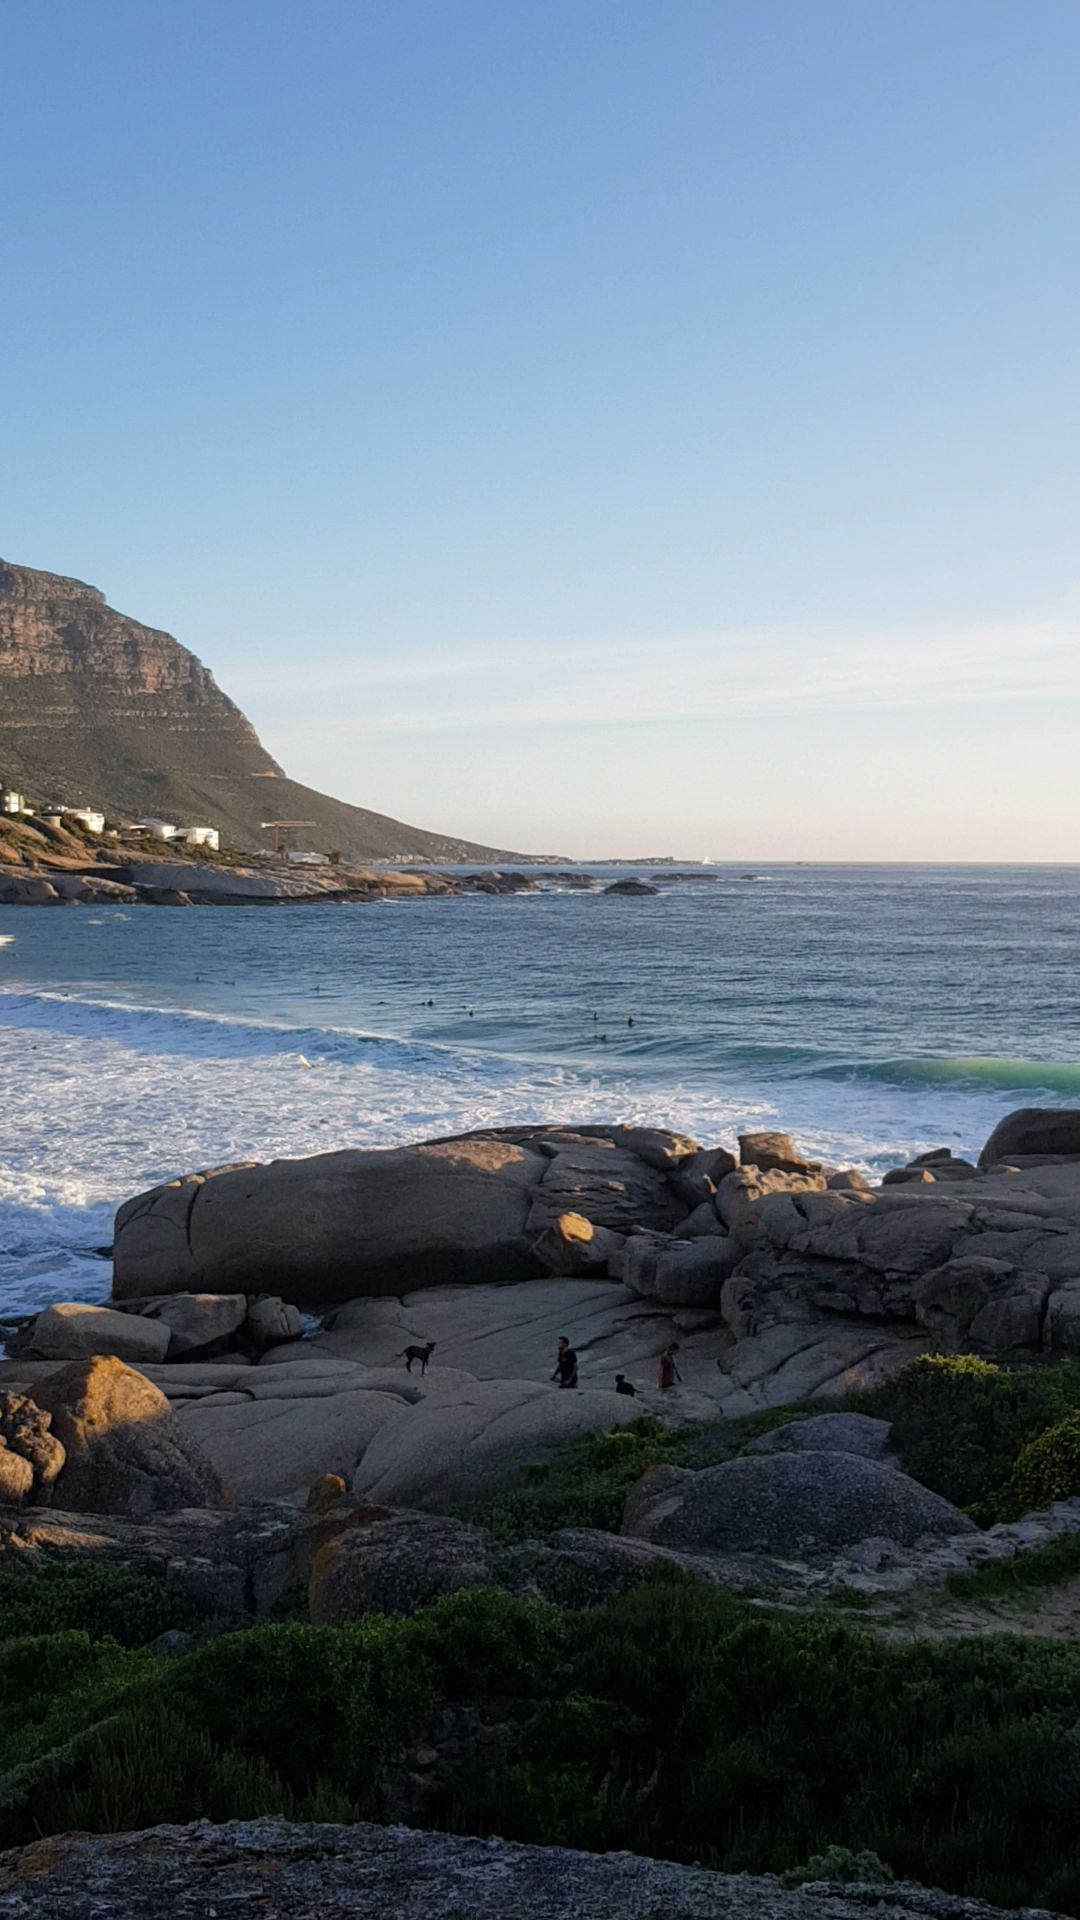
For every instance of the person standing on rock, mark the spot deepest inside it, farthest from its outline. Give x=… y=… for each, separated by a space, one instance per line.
x=669 y=1372
x=565 y=1364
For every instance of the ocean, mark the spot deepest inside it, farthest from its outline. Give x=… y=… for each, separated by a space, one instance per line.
x=873 y=1012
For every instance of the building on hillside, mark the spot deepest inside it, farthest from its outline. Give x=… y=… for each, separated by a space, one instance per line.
x=55 y=815
x=12 y=802
x=157 y=829
x=199 y=837
x=304 y=858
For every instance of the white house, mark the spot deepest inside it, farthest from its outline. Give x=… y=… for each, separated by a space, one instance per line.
x=12 y=802
x=306 y=859
x=199 y=837
x=92 y=820
x=157 y=829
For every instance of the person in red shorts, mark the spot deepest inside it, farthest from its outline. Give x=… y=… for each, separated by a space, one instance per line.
x=669 y=1372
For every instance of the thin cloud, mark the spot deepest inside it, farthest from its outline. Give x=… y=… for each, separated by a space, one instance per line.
x=684 y=677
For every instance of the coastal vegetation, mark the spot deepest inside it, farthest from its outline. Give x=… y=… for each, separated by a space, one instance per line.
x=676 y=1720
x=995 y=1441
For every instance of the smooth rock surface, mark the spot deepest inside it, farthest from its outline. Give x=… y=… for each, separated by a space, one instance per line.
x=1035 y=1131
x=194 y=1321
x=336 y=1226
x=72 y=1331
x=271 y=1441
x=447 y=1453
x=828 y=1433
x=801 y=1502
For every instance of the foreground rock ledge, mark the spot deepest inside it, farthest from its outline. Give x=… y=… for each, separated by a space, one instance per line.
x=282 y=1872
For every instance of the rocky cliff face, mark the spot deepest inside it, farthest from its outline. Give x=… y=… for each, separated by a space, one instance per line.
x=96 y=708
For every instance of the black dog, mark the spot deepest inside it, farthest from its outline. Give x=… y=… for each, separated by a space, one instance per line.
x=423 y=1354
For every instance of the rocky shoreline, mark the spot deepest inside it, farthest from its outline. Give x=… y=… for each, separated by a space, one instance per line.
x=775 y=1280
x=321 y=1403
x=141 y=881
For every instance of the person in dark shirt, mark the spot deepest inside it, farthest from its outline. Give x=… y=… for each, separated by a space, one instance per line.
x=565 y=1364
x=623 y=1385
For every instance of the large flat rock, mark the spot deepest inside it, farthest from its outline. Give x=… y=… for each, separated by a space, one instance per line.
x=341 y=1225
x=282 y=1872
x=449 y=1452
x=334 y=1226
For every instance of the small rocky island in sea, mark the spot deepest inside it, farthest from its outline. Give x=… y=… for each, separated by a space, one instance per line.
x=566 y=1484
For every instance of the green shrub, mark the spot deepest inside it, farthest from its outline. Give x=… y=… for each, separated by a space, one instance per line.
x=91 y=1597
x=676 y=1720
x=839 y=1864
x=53 y=1690
x=961 y=1424
x=686 y=1725
x=490 y=1642
x=1049 y=1466
x=309 y=1702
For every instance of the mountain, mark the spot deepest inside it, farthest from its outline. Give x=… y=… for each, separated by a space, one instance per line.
x=98 y=710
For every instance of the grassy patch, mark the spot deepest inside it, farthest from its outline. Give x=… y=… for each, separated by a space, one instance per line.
x=586 y=1484
x=1027 y=1575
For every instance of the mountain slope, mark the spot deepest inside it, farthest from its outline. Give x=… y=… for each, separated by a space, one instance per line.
x=97 y=709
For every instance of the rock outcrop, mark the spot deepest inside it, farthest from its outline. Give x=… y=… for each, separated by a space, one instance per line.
x=72 y=1331
x=194 y=1322
x=778 y=1282
x=799 y=1502
x=126 y=1453
x=397 y=1565
x=280 y=1872
x=31 y=1456
x=1042 y=1132
x=343 y=1225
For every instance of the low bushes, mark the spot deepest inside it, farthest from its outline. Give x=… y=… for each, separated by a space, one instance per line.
x=91 y=1597
x=676 y=1721
x=1049 y=1467
x=684 y=1724
x=961 y=1426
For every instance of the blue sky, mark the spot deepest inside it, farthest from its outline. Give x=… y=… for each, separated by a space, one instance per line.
x=582 y=424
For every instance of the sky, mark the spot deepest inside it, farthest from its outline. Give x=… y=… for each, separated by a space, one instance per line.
x=592 y=426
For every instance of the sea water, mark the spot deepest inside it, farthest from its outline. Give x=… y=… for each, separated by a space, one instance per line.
x=872 y=1012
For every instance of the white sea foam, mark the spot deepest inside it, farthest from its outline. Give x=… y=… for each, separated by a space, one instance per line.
x=101 y=1099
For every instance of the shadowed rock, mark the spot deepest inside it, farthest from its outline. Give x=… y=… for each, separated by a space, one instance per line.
x=799 y=1502
x=126 y=1452
x=281 y=1871
x=1034 y=1132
